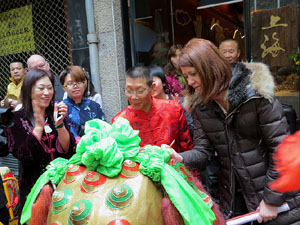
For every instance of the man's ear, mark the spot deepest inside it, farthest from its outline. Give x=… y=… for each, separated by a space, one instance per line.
x=47 y=66
x=152 y=87
x=239 y=52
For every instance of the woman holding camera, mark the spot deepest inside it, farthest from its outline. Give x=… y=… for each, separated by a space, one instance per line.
x=39 y=133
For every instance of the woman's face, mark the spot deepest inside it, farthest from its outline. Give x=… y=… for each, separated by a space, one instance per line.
x=159 y=87
x=42 y=91
x=174 y=59
x=192 y=77
x=74 y=89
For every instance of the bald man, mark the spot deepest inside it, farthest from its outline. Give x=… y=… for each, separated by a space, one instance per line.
x=39 y=62
x=230 y=49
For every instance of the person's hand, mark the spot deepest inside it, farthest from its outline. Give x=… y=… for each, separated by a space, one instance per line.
x=2 y=103
x=176 y=97
x=167 y=147
x=13 y=103
x=174 y=155
x=266 y=212
x=60 y=112
x=38 y=115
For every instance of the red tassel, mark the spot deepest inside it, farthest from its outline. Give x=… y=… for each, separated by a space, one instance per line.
x=287 y=163
x=215 y=208
x=170 y=213
x=41 y=207
x=173 y=217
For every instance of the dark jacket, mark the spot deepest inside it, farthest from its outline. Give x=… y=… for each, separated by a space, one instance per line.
x=34 y=155
x=244 y=139
x=3 y=200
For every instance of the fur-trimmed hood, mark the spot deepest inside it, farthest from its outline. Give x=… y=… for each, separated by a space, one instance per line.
x=248 y=80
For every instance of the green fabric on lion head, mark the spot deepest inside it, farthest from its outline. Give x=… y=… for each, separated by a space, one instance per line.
x=104 y=147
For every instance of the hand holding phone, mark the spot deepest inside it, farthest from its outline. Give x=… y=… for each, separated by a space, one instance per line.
x=59 y=116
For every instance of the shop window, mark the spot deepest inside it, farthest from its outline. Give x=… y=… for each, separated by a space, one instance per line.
x=78 y=33
x=156 y=25
x=151 y=31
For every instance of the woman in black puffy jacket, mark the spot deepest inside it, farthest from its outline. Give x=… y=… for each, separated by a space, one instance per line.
x=237 y=116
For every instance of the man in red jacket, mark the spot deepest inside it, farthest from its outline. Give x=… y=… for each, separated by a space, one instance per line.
x=160 y=121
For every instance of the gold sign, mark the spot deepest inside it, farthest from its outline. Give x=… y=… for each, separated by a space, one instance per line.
x=275 y=47
x=16 y=31
x=274 y=35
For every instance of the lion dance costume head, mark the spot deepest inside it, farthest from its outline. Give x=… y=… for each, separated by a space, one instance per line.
x=111 y=180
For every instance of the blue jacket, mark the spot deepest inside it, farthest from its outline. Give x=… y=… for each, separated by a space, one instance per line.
x=79 y=113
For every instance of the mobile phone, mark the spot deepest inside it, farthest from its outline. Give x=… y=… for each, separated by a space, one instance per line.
x=59 y=116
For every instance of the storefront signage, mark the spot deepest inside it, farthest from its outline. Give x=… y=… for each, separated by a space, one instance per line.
x=275 y=48
x=16 y=31
x=275 y=35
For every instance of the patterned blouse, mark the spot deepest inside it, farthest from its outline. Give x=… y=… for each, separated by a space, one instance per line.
x=79 y=113
x=33 y=154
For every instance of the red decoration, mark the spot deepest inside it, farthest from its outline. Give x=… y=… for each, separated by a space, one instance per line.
x=287 y=162
x=73 y=171
x=119 y=222
x=130 y=165
x=91 y=181
x=129 y=169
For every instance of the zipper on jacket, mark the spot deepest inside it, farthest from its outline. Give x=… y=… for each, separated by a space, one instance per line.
x=236 y=108
x=230 y=213
x=229 y=151
x=231 y=172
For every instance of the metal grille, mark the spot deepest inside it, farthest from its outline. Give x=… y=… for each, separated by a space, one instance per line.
x=50 y=35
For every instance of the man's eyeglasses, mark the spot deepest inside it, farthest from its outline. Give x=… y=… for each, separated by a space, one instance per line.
x=72 y=85
x=138 y=92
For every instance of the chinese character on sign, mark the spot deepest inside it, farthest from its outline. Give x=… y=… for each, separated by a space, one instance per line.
x=275 y=47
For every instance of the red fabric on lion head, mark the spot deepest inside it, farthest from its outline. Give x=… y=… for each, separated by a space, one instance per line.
x=287 y=163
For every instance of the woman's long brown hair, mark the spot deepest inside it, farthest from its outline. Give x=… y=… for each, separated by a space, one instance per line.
x=212 y=67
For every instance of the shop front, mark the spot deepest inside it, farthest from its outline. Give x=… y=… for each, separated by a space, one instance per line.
x=267 y=31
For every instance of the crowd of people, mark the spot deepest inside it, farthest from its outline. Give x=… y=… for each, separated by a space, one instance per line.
x=213 y=111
